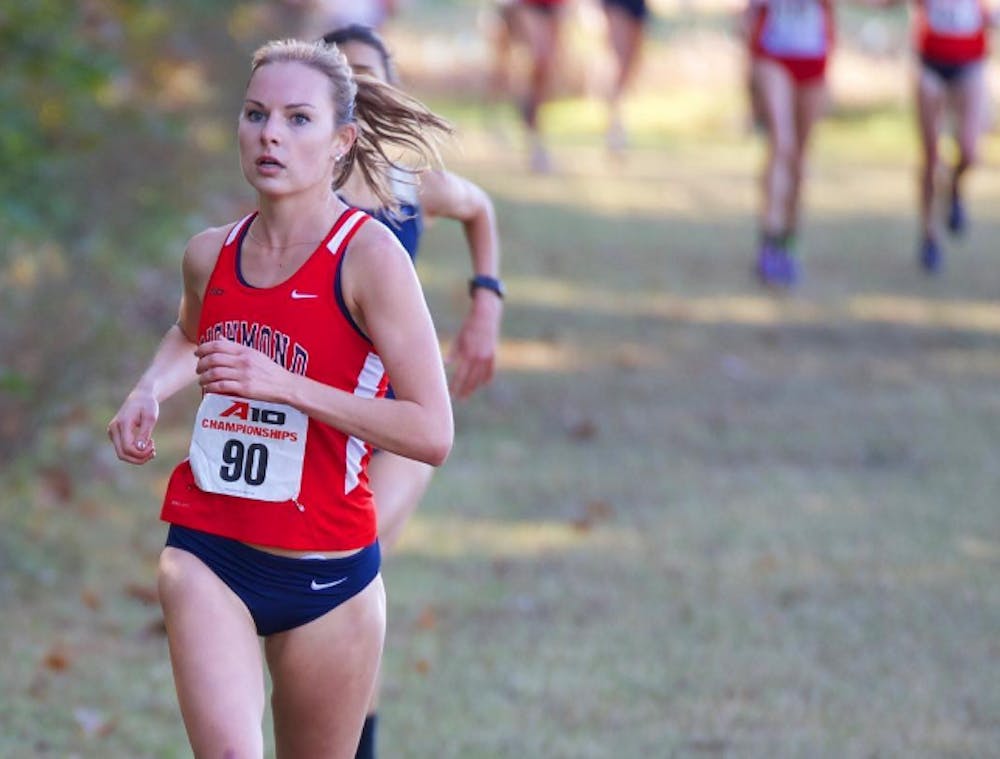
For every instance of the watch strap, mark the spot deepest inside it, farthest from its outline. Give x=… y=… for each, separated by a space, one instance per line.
x=487 y=283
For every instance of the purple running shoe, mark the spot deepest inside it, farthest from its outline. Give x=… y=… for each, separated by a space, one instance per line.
x=931 y=256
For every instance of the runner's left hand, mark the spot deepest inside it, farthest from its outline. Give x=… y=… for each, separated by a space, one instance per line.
x=229 y=368
x=473 y=354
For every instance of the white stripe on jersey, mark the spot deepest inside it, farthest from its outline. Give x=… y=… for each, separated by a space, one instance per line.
x=236 y=229
x=369 y=380
x=346 y=228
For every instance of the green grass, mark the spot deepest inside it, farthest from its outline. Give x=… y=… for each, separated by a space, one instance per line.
x=801 y=545
x=689 y=518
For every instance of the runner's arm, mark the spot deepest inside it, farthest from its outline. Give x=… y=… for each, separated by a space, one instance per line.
x=173 y=364
x=381 y=290
x=473 y=352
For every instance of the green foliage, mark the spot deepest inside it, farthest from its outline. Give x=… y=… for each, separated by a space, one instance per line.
x=56 y=64
x=98 y=104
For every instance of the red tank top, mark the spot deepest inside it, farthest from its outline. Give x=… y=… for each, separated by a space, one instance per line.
x=792 y=29
x=951 y=31
x=303 y=325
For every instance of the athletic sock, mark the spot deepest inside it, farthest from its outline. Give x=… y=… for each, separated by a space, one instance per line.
x=772 y=239
x=366 y=746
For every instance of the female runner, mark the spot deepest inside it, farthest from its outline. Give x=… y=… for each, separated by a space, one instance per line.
x=399 y=482
x=291 y=319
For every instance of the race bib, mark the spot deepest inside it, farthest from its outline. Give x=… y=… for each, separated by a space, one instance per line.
x=954 y=18
x=795 y=29
x=251 y=449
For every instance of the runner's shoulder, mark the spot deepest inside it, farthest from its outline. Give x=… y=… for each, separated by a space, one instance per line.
x=202 y=250
x=375 y=245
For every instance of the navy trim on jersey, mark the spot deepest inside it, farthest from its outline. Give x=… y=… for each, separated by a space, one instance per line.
x=238 y=258
x=239 y=252
x=338 y=295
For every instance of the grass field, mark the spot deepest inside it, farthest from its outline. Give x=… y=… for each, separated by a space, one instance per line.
x=689 y=519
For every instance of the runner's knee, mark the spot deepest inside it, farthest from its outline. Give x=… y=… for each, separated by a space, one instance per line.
x=968 y=151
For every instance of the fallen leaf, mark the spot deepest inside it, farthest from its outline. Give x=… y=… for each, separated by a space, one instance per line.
x=791 y=597
x=765 y=564
x=594 y=512
x=146 y=594
x=427 y=619
x=89 y=508
x=57 y=483
x=58 y=658
x=582 y=429
x=155 y=628
x=582 y=524
x=711 y=745
x=90 y=599
x=632 y=356
x=600 y=509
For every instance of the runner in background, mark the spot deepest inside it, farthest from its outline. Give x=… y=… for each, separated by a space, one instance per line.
x=789 y=44
x=626 y=20
x=537 y=25
x=951 y=42
x=399 y=482
x=320 y=15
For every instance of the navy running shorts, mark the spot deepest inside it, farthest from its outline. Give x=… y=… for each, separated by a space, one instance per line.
x=949 y=73
x=281 y=592
x=637 y=9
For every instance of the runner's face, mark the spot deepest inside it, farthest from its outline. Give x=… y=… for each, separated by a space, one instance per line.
x=287 y=132
x=364 y=59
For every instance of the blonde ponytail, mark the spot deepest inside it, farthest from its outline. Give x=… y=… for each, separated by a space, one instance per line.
x=388 y=119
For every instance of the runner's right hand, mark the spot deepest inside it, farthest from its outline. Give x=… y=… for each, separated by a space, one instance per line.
x=131 y=428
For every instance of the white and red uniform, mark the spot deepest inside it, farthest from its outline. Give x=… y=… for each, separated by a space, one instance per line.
x=951 y=32
x=798 y=34
x=252 y=477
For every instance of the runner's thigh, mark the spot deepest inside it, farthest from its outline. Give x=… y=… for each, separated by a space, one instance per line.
x=323 y=674
x=215 y=655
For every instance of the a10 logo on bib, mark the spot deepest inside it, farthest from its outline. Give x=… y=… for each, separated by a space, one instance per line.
x=250 y=449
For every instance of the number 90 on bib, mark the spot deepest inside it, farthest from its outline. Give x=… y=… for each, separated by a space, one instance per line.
x=251 y=449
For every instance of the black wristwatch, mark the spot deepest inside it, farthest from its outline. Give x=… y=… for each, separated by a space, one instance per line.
x=489 y=283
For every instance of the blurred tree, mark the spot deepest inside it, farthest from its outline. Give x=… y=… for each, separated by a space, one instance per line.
x=110 y=138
